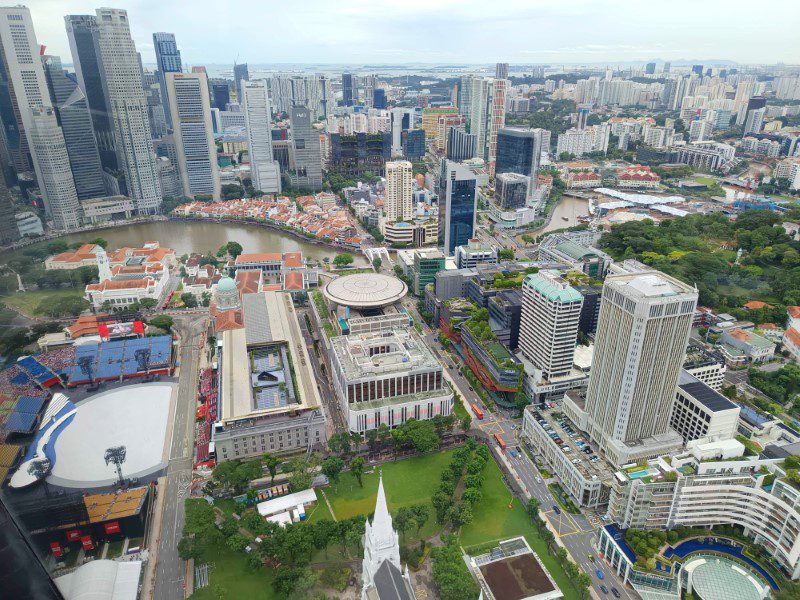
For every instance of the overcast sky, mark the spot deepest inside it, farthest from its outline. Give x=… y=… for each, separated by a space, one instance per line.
x=449 y=31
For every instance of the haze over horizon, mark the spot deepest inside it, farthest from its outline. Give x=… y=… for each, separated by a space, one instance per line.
x=460 y=32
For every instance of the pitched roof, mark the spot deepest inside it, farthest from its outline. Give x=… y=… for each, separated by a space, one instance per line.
x=86 y=325
x=756 y=304
x=794 y=311
x=247 y=281
x=793 y=336
x=124 y=284
x=293 y=259
x=259 y=257
x=293 y=281
x=230 y=319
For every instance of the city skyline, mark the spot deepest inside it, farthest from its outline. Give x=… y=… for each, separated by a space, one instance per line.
x=390 y=34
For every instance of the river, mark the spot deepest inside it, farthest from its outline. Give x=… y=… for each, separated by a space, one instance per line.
x=193 y=236
x=568 y=208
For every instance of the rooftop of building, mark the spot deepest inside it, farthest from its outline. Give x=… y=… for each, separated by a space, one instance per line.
x=365 y=290
x=266 y=352
x=649 y=284
x=748 y=337
x=512 y=571
x=380 y=353
x=711 y=399
x=553 y=287
x=597 y=469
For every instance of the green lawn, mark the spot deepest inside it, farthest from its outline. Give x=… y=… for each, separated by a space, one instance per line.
x=705 y=180
x=228 y=571
x=407 y=482
x=28 y=302
x=494 y=521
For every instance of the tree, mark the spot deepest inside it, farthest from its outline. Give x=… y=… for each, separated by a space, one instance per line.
x=271 y=462
x=377 y=262
x=403 y=519
x=234 y=249
x=164 y=322
x=236 y=542
x=372 y=438
x=340 y=443
x=521 y=401
x=343 y=259
x=357 y=469
x=188 y=299
x=302 y=469
x=506 y=254
x=532 y=508
x=332 y=466
x=188 y=548
x=384 y=433
x=421 y=514
x=147 y=303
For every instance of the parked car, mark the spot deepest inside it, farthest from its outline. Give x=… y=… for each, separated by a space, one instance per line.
x=604 y=589
x=600 y=575
x=558 y=511
x=615 y=591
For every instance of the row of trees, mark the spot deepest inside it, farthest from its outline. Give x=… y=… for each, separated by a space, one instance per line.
x=450 y=572
x=579 y=580
x=467 y=463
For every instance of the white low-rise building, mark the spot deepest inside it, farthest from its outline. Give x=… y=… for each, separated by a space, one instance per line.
x=387 y=378
x=29 y=224
x=699 y=412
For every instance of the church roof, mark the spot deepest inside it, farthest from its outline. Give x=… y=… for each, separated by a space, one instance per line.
x=390 y=584
x=382 y=529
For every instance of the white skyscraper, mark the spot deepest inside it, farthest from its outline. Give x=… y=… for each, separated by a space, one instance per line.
x=399 y=187
x=190 y=107
x=551 y=311
x=122 y=74
x=264 y=169
x=35 y=123
x=640 y=346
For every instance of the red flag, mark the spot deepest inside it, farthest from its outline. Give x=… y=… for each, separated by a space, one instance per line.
x=138 y=327
x=102 y=329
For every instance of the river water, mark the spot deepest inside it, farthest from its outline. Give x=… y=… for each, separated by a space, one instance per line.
x=192 y=236
x=566 y=214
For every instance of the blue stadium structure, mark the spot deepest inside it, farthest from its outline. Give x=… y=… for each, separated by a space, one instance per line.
x=118 y=359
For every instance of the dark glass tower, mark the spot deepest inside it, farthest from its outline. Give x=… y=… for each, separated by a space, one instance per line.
x=72 y=110
x=348 y=89
x=83 y=42
x=457 y=206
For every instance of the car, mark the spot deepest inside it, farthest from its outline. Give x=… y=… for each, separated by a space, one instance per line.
x=615 y=591
x=604 y=589
x=513 y=454
x=470 y=389
x=538 y=480
x=558 y=511
x=600 y=575
x=590 y=557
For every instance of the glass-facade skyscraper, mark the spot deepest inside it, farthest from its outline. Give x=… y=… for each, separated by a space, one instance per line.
x=519 y=150
x=457 y=206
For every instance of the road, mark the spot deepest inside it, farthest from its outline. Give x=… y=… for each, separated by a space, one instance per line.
x=170 y=569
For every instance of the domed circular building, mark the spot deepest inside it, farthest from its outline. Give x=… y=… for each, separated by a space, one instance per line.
x=364 y=291
x=227 y=295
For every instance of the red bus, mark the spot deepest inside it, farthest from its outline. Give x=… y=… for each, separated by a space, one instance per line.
x=478 y=412
x=500 y=442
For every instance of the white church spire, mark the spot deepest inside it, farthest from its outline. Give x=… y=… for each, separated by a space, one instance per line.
x=381 y=542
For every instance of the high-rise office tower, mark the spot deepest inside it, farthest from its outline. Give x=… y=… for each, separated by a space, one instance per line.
x=511 y=190
x=264 y=169
x=157 y=103
x=72 y=109
x=220 y=93
x=401 y=120
x=399 y=189
x=307 y=151
x=458 y=204
x=311 y=90
x=122 y=75
x=168 y=58
x=650 y=68
x=240 y=73
x=697 y=69
x=82 y=32
x=349 y=90
x=667 y=66
x=584 y=110
x=368 y=85
x=551 y=312
x=501 y=70
x=497 y=120
x=190 y=107
x=460 y=144
x=35 y=117
x=519 y=150
x=486 y=114
x=640 y=346
x=8 y=223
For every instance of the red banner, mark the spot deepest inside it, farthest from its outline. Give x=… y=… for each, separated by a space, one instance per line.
x=102 y=329
x=138 y=327
x=87 y=542
x=55 y=548
x=112 y=527
x=73 y=535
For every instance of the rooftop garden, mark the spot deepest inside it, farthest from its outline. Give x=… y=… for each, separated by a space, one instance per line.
x=479 y=328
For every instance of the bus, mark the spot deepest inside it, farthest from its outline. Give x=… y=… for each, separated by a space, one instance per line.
x=500 y=442
x=478 y=412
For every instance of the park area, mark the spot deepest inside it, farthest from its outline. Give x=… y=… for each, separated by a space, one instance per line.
x=49 y=303
x=409 y=484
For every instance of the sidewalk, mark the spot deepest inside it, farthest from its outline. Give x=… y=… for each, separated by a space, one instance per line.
x=155 y=538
